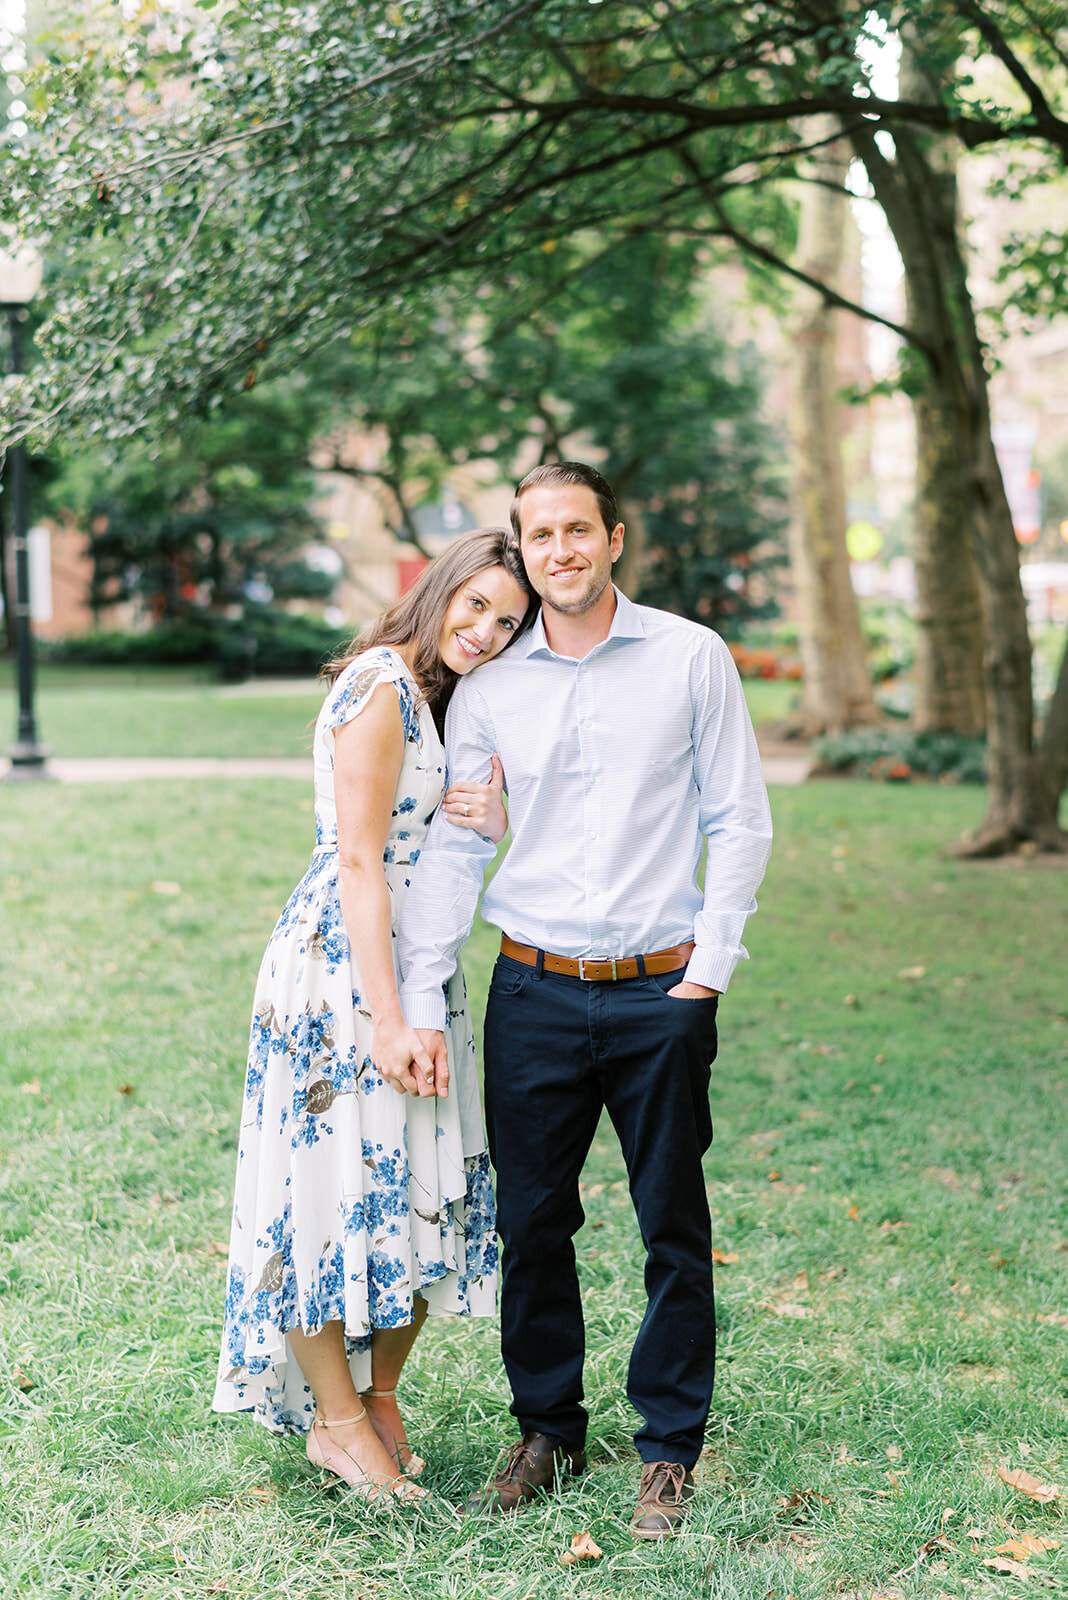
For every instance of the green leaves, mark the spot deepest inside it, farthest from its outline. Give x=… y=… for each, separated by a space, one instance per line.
x=230 y=191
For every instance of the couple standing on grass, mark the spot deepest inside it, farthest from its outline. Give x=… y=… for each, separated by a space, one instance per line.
x=622 y=736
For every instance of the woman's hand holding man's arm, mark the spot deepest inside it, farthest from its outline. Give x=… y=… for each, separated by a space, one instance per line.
x=480 y=805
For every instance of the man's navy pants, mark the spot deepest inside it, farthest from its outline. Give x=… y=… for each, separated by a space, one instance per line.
x=557 y=1049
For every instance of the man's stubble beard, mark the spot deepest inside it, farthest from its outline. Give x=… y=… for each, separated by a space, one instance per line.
x=576 y=608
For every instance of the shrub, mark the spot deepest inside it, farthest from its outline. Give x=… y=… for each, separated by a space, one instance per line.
x=764 y=663
x=895 y=755
x=270 y=643
x=178 y=643
x=285 y=646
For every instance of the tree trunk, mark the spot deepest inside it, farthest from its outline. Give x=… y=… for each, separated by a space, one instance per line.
x=837 y=689
x=950 y=695
x=1053 y=751
x=912 y=191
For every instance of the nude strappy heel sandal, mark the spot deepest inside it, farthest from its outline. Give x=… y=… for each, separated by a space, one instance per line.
x=414 y=1465
x=332 y=1457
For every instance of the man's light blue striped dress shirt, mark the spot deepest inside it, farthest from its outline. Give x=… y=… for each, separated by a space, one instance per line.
x=617 y=766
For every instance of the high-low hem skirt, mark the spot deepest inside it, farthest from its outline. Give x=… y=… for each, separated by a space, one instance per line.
x=350 y=1198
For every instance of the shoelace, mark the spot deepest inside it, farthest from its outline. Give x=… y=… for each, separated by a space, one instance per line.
x=662 y=1475
x=519 y=1453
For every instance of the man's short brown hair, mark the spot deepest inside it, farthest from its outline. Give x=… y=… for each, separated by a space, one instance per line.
x=559 y=473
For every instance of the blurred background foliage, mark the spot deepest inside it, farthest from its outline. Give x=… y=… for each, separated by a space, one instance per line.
x=486 y=235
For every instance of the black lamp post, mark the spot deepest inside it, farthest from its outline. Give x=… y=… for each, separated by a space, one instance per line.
x=20 y=276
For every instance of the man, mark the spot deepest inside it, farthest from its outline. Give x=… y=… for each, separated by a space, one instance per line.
x=625 y=742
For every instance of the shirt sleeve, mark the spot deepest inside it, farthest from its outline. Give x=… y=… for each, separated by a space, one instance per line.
x=440 y=906
x=735 y=816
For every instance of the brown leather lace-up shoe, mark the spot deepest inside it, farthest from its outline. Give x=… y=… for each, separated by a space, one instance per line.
x=533 y=1464
x=662 y=1496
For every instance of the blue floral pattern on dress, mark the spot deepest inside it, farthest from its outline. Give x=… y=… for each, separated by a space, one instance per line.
x=350 y=1199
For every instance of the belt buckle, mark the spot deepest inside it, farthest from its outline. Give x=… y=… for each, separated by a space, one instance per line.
x=600 y=961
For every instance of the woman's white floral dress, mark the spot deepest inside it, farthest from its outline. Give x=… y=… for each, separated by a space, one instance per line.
x=350 y=1197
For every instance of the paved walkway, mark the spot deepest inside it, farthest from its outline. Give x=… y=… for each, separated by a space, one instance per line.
x=779 y=769
x=134 y=769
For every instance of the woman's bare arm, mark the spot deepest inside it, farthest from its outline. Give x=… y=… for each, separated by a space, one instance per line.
x=368 y=754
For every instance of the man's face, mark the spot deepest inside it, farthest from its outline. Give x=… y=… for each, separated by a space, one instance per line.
x=567 y=550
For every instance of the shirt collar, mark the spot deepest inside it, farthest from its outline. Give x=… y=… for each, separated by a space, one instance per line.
x=626 y=624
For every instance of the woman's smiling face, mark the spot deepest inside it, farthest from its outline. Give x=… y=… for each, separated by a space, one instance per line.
x=483 y=615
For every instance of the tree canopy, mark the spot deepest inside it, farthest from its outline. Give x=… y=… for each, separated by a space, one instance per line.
x=233 y=188
x=206 y=518
x=240 y=185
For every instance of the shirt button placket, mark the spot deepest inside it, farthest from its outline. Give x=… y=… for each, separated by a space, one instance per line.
x=591 y=806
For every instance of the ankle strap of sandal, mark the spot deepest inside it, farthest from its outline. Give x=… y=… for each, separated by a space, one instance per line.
x=378 y=1394
x=339 y=1422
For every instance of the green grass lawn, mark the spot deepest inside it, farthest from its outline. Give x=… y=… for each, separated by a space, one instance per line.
x=771 y=700
x=179 y=711
x=889 y=1171
x=161 y=712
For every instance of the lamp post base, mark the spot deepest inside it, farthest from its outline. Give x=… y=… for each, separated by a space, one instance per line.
x=28 y=762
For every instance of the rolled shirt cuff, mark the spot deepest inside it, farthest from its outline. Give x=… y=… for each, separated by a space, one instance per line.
x=424 y=1009
x=712 y=969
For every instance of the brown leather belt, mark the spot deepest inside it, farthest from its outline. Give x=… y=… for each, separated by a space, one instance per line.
x=598 y=971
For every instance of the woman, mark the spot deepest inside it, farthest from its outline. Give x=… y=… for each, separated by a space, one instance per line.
x=357 y=1209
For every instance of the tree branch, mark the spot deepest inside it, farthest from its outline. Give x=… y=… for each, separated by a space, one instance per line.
x=1050 y=125
x=390 y=481
x=761 y=252
x=972 y=130
x=1048 y=39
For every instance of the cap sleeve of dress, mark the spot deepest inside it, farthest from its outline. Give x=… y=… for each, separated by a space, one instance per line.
x=352 y=689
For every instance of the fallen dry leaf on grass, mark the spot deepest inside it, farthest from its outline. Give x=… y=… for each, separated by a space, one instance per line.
x=165 y=886
x=22 y=1380
x=583 y=1548
x=725 y=1258
x=1015 y=1569
x=31 y=1086
x=1026 y=1544
x=1023 y=1483
x=911 y=973
x=782 y=1305
x=938 y=1542
x=799 y=1498
x=853 y=1213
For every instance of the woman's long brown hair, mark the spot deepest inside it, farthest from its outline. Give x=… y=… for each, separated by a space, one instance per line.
x=420 y=614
